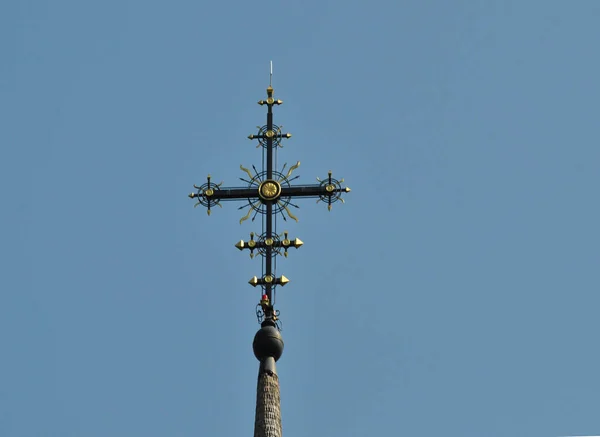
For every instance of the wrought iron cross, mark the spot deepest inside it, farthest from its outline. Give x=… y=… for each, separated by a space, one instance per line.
x=269 y=192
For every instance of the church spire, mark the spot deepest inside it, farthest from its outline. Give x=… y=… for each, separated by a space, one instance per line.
x=270 y=193
x=268 y=346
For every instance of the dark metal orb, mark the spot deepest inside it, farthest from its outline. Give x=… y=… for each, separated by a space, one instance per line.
x=267 y=343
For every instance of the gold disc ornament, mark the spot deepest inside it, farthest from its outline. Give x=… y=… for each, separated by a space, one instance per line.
x=269 y=190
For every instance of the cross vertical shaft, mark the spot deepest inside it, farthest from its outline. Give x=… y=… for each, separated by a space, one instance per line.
x=269 y=218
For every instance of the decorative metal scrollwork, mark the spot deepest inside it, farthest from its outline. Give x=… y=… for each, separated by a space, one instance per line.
x=333 y=189
x=204 y=194
x=264 y=134
x=260 y=316
x=273 y=242
x=269 y=190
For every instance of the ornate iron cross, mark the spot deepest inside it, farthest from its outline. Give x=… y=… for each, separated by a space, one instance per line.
x=269 y=192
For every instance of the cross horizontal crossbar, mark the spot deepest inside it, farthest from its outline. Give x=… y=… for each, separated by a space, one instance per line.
x=314 y=190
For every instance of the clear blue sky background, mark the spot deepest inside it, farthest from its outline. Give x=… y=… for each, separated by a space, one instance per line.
x=455 y=292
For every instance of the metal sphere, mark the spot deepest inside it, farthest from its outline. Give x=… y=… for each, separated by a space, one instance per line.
x=267 y=343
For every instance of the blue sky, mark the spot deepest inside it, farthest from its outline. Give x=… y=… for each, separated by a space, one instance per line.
x=455 y=292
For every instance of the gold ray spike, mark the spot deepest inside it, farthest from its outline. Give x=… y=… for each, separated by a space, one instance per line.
x=292 y=216
x=291 y=170
x=247 y=171
x=247 y=216
x=283 y=280
x=297 y=243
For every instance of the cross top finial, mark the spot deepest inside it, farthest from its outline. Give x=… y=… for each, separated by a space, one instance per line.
x=269 y=192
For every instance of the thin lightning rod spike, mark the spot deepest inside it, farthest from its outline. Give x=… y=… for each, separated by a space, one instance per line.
x=271 y=75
